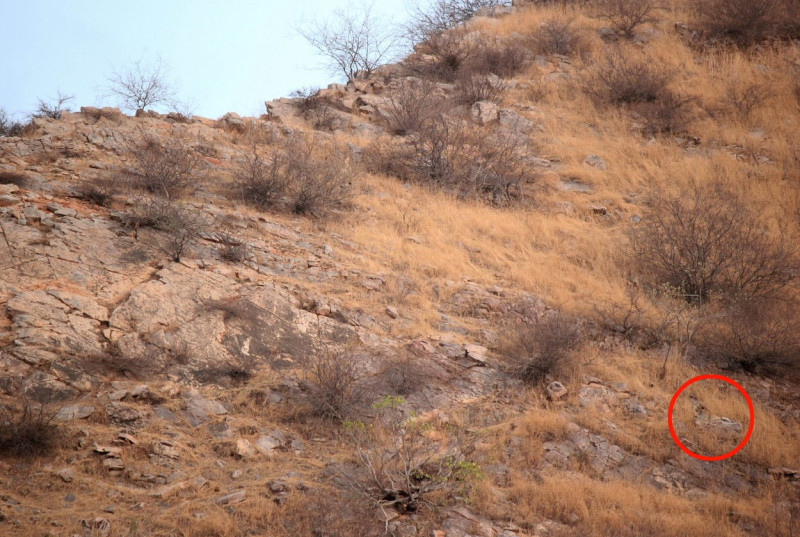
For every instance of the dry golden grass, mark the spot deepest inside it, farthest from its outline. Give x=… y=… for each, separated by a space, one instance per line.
x=427 y=244
x=617 y=508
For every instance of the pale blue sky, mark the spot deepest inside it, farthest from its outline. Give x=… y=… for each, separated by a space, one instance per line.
x=223 y=55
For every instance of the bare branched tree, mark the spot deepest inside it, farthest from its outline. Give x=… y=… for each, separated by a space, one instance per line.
x=626 y=15
x=354 y=41
x=434 y=18
x=706 y=243
x=141 y=86
x=54 y=108
x=8 y=125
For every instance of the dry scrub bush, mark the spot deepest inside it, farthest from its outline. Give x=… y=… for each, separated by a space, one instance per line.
x=627 y=78
x=353 y=40
x=311 y=174
x=450 y=152
x=260 y=178
x=708 y=249
x=707 y=243
x=403 y=374
x=317 y=175
x=435 y=18
x=166 y=168
x=412 y=105
x=399 y=463
x=181 y=224
x=626 y=15
x=742 y=21
x=9 y=126
x=504 y=58
x=316 y=109
x=541 y=347
x=232 y=249
x=335 y=383
x=742 y=99
x=27 y=431
x=52 y=110
x=762 y=332
x=472 y=88
x=445 y=54
x=559 y=36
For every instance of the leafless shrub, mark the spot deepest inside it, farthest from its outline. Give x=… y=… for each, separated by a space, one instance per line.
x=669 y=114
x=54 y=109
x=335 y=381
x=412 y=105
x=182 y=225
x=233 y=249
x=403 y=374
x=743 y=99
x=559 y=36
x=445 y=54
x=707 y=244
x=9 y=126
x=539 y=89
x=450 y=152
x=306 y=99
x=142 y=86
x=437 y=17
x=166 y=168
x=95 y=194
x=12 y=178
x=541 y=346
x=354 y=41
x=758 y=333
x=315 y=108
x=471 y=88
x=261 y=178
x=504 y=59
x=317 y=175
x=27 y=430
x=399 y=464
x=626 y=15
x=625 y=77
x=742 y=21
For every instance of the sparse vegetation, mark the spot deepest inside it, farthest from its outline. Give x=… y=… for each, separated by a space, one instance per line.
x=449 y=152
x=627 y=15
x=623 y=76
x=398 y=464
x=54 y=108
x=540 y=348
x=8 y=125
x=181 y=224
x=166 y=168
x=27 y=430
x=335 y=383
x=471 y=88
x=318 y=176
x=559 y=36
x=261 y=178
x=682 y=241
x=141 y=86
x=707 y=244
x=742 y=21
x=354 y=41
x=435 y=18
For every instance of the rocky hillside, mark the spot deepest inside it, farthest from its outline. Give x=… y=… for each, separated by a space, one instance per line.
x=414 y=303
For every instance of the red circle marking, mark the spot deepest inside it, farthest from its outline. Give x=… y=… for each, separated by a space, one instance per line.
x=732 y=452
